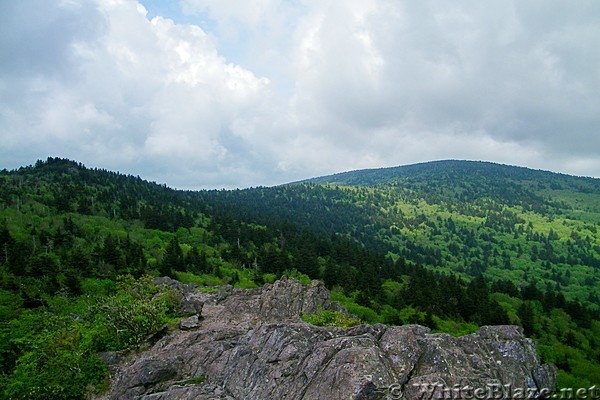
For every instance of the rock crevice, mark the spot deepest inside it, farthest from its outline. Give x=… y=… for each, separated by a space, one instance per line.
x=252 y=344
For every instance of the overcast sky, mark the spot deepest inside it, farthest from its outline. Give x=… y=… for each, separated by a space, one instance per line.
x=237 y=93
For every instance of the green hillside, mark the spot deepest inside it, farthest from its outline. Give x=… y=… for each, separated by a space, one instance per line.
x=451 y=245
x=528 y=226
x=469 y=218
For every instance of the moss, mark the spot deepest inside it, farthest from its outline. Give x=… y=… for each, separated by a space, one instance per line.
x=197 y=381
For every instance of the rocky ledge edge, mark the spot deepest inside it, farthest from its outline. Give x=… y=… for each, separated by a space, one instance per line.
x=252 y=344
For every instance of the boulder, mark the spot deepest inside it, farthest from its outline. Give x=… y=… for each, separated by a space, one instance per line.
x=189 y=323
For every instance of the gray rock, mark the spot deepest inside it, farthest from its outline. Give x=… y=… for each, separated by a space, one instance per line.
x=190 y=300
x=191 y=305
x=252 y=344
x=287 y=299
x=189 y=323
x=112 y=359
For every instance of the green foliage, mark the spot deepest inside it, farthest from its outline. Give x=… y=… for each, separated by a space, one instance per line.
x=200 y=280
x=269 y=278
x=138 y=310
x=98 y=287
x=455 y=328
x=52 y=353
x=330 y=318
x=173 y=259
x=197 y=381
x=295 y=274
x=60 y=363
x=361 y=312
x=465 y=218
x=450 y=245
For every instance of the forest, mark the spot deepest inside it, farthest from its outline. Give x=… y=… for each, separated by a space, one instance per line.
x=450 y=245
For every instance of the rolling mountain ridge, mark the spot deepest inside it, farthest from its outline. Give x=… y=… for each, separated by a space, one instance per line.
x=452 y=245
x=458 y=216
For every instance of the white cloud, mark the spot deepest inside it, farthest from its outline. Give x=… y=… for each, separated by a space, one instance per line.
x=273 y=90
x=492 y=72
x=135 y=90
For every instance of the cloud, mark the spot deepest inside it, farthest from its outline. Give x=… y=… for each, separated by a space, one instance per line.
x=493 y=73
x=272 y=91
x=133 y=93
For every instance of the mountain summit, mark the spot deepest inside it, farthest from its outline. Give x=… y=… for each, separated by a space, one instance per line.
x=453 y=171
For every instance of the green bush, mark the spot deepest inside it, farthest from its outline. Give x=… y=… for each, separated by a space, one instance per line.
x=138 y=310
x=330 y=318
x=60 y=363
x=295 y=274
x=51 y=353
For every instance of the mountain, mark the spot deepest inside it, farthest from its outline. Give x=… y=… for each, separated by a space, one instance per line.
x=460 y=217
x=471 y=181
x=452 y=245
x=449 y=170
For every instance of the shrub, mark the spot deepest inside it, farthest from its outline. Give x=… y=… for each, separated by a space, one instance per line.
x=330 y=318
x=138 y=310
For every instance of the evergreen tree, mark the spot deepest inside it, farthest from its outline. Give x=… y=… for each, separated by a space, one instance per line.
x=527 y=317
x=110 y=253
x=173 y=259
x=306 y=262
x=331 y=275
x=197 y=261
x=7 y=244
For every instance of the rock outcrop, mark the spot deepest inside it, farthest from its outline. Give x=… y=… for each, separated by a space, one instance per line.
x=252 y=344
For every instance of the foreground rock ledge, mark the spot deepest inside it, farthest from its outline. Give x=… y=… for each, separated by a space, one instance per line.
x=251 y=344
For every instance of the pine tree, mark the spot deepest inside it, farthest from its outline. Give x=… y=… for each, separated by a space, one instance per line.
x=173 y=259
x=307 y=262
x=527 y=316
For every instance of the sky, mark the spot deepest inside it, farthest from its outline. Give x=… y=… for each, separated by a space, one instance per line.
x=236 y=93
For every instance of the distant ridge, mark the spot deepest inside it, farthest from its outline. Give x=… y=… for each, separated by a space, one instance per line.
x=440 y=168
